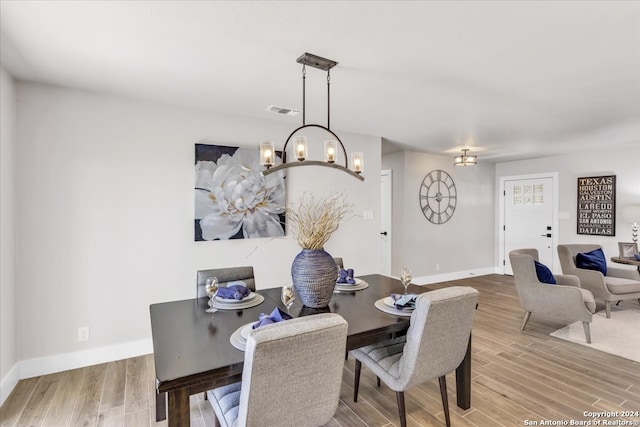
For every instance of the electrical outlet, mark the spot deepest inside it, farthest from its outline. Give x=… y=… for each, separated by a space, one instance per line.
x=83 y=333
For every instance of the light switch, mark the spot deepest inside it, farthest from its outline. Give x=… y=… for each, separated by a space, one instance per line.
x=367 y=215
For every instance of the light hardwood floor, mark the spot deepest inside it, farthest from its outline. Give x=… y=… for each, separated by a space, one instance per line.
x=517 y=376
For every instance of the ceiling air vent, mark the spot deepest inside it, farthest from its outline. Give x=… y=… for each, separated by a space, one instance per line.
x=282 y=110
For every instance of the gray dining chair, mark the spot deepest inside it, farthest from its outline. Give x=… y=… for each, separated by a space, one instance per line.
x=435 y=344
x=291 y=377
x=224 y=276
x=338 y=262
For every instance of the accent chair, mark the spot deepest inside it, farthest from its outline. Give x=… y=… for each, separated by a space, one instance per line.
x=619 y=283
x=565 y=300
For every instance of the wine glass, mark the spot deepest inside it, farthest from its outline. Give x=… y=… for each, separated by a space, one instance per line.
x=288 y=296
x=405 y=278
x=211 y=286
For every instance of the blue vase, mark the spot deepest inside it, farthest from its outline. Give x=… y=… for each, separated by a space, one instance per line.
x=314 y=274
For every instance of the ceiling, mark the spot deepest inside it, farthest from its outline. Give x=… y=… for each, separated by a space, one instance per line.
x=510 y=80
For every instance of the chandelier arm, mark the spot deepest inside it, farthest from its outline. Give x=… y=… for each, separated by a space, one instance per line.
x=282 y=166
x=344 y=151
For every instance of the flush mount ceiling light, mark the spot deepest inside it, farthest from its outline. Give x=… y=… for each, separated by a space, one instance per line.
x=464 y=159
x=267 y=148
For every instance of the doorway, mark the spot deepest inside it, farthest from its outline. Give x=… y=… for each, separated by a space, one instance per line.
x=529 y=217
x=385 y=221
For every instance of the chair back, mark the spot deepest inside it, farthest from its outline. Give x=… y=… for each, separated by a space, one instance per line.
x=438 y=337
x=567 y=255
x=293 y=372
x=338 y=262
x=224 y=276
x=524 y=274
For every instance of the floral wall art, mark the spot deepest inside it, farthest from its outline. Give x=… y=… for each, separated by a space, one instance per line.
x=232 y=198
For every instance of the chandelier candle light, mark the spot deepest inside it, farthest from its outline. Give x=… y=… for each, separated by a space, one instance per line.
x=267 y=153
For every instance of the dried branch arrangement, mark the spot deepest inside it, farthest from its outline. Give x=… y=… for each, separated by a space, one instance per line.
x=313 y=221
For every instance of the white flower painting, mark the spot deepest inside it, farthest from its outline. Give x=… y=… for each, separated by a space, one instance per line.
x=232 y=198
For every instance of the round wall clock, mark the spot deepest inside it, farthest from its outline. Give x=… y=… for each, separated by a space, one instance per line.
x=438 y=197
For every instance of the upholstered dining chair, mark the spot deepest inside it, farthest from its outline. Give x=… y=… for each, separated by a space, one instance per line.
x=224 y=276
x=291 y=377
x=338 y=262
x=619 y=283
x=565 y=300
x=435 y=344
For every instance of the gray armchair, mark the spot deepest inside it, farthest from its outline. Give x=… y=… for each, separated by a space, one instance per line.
x=291 y=377
x=565 y=300
x=224 y=276
x=435 y=344
x=619 y=283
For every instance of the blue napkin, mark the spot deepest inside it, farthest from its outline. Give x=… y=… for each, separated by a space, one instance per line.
x=236 y=291
x=276 y=316
x=404 y=301
x=346 y=276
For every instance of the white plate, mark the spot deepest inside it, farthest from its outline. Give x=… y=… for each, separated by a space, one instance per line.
x=382 y=306
x=236 y=301
x=246 y=329
x=240 y=305
x=389 y=302
x=350 y=288
x=358 y=282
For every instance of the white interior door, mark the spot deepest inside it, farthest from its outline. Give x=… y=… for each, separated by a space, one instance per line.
x=385 y=222
x=528 y=218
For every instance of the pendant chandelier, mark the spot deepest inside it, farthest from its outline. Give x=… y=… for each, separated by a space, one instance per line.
x=267 y=148
x=464 y=159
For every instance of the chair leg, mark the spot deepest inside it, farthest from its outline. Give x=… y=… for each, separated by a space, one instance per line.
x=445 y=399
x=527 y=314
x=587 y=332
x=401 y=409
x=378 y=381
x=607 y=306
x=356 y=380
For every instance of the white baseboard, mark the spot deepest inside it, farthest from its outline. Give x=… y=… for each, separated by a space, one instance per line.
x=456 y=275
x=66 y=361
x=9 y=382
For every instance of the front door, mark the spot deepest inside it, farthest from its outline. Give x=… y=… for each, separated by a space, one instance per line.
x=528 y=218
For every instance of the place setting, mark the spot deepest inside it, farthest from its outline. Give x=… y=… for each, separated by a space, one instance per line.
x=235 y=296
x=399 y=304
x=347 y=283
x=240 y=336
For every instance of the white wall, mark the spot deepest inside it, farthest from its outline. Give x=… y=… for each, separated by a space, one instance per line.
x=465 y=243
x=623 y=164
x=7 y=233
x=105 y=208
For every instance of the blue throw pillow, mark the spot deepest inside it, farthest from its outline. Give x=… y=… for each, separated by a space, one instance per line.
x=593 y=260
x=544 y=274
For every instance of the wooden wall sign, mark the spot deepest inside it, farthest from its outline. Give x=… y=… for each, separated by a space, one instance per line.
x=597 y=205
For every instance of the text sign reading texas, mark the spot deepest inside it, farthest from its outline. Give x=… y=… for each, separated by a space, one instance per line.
x=597 y=205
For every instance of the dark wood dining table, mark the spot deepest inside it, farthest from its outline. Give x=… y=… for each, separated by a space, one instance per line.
x=193 y=353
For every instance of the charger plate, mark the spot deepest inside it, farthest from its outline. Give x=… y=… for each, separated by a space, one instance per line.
x=237 y=340
x=249 y=297
x=358 y=286
x=257 y=300
x=382 y=306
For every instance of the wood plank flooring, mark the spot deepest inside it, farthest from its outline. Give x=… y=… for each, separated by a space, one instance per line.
x=517 y=376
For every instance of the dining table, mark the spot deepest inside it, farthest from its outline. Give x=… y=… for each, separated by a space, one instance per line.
x=193 y=352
